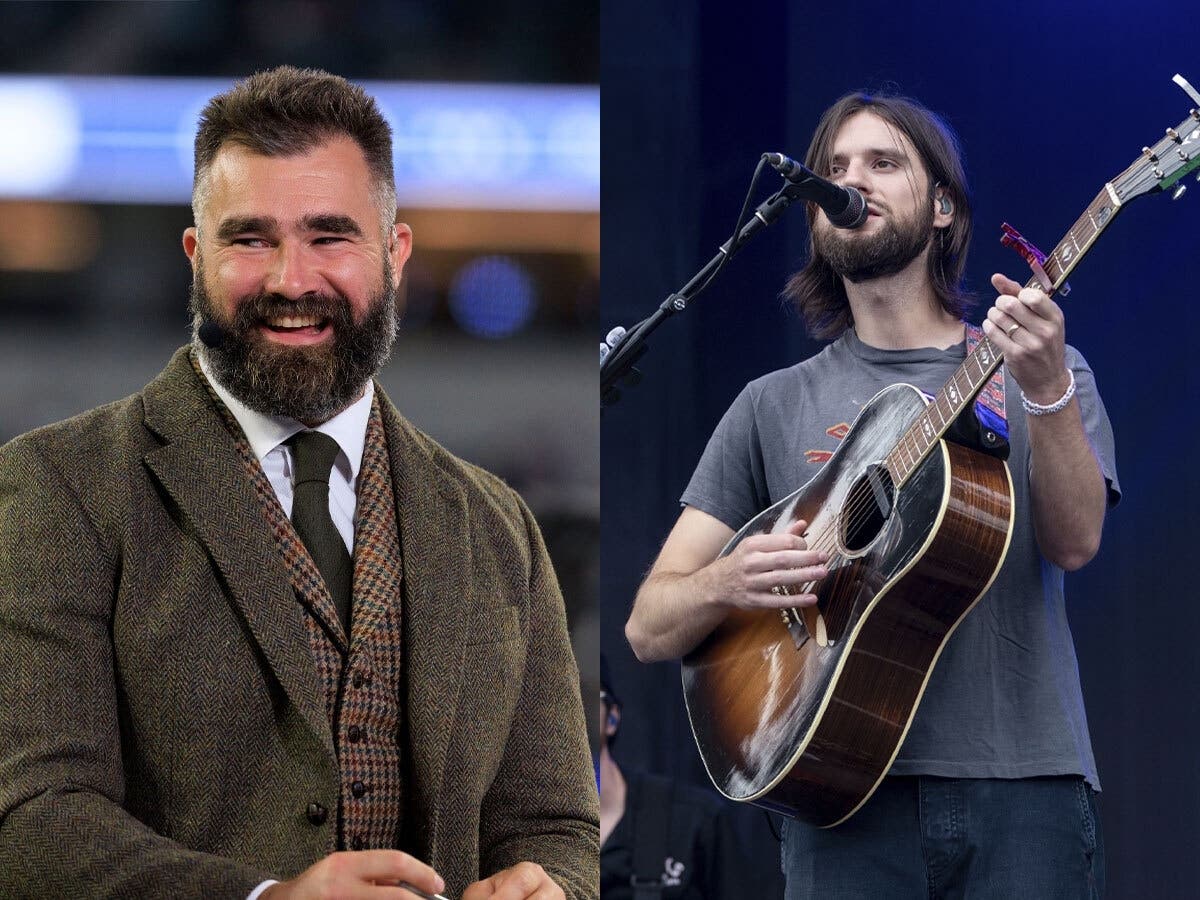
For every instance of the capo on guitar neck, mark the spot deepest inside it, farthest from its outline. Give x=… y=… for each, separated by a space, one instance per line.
x=1032 y=255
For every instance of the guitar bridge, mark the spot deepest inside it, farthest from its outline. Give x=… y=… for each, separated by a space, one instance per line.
x=795 y=626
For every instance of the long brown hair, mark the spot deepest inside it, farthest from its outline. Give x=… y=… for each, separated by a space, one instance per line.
x=818 y=291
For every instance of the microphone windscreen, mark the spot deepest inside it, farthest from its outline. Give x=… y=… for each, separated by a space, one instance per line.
x=211 y=334
x=855 y=212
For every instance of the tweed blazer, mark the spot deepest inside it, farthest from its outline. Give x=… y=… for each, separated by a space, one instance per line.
x=162 y=725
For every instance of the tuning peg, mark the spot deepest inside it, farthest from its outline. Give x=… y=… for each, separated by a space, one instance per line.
x=1180 y=190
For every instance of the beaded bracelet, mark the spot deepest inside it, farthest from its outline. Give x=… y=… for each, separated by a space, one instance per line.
x=1037 y=409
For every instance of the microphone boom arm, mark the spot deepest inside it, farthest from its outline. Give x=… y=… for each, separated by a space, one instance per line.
x=619 y=362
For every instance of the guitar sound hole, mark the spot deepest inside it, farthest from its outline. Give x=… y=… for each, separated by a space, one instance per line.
x=867 y=507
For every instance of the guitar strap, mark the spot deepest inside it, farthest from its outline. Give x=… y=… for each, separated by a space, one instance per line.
x=989 y=404
x=986 y=430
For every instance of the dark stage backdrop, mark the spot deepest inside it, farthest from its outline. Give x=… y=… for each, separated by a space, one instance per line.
x=1051 y=101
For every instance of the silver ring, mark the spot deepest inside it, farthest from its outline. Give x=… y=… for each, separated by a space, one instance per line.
x=1011 y=331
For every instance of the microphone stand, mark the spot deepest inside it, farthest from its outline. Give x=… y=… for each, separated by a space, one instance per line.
x=627 y=349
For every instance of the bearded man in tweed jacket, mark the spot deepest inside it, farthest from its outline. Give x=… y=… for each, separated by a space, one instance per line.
x=190 y=705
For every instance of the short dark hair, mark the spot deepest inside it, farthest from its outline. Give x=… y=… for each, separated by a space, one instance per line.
x=818 y=291
x=288 y=111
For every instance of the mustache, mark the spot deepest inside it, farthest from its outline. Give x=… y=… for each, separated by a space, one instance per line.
x=257 y=308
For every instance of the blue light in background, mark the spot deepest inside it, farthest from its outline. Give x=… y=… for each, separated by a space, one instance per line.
x=492 y=297
x=129 y=140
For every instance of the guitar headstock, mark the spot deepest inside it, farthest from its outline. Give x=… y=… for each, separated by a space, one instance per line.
x=1162 y=165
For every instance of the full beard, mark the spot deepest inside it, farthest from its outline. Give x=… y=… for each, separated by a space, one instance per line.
x=861 y=257
x=312 y=383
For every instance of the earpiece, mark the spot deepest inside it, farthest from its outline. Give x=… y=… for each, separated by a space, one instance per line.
x=945 y=206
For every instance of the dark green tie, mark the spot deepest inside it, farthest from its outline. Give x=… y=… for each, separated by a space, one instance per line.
x=314 y=455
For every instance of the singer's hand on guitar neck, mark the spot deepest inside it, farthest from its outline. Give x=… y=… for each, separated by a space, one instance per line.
x=1027 y=327
x=689 y=590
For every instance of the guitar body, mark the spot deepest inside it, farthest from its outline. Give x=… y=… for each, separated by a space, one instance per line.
x=805 y=715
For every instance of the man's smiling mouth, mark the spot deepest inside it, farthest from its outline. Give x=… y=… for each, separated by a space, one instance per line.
x=296 y=324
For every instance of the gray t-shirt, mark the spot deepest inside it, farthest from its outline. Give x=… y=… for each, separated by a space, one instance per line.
x=1004 y=699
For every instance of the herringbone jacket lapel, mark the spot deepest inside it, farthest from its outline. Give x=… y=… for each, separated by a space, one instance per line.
x=199 y=468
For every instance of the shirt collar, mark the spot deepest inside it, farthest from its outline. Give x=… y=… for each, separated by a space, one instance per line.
x=265 y=433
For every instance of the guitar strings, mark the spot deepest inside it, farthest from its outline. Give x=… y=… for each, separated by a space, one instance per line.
x=856 y=514
x=858 y=511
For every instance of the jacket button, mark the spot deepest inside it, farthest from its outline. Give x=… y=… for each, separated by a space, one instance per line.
x=354 y=733
x=358 y=789
x=317 y=814
x=358 y=843
x=357 y=680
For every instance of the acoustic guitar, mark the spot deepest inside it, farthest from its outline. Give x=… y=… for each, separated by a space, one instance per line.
x=803 y=710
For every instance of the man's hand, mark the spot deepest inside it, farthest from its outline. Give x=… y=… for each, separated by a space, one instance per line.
x=691 y=588
x=758 y=570
x=369 y=874
x=1036 y=350
x=524 y=881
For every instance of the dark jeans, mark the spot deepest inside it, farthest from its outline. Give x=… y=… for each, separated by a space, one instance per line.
x=972 y=838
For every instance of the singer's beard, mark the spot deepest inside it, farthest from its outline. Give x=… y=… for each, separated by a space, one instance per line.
x=311 y=383
x=860 y=257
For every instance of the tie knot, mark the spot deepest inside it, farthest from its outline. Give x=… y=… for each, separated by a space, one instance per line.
x=315 y=453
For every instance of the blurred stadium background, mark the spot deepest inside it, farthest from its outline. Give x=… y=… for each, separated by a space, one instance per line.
x=496 y=117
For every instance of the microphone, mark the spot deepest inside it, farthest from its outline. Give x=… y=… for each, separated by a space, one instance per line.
x=211 y=334
x=844 y=206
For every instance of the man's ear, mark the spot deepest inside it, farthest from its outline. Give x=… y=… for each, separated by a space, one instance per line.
x=191 y=242
x=399 y=249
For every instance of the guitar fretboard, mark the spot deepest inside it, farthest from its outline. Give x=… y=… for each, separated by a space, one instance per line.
x=977 y=368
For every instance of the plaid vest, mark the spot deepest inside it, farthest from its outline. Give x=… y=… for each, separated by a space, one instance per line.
x=362 y=677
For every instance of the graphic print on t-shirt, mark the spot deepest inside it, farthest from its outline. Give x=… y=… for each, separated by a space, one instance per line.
x=837 y=432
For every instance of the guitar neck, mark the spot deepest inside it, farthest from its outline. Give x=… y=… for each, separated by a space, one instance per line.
x=970 y=377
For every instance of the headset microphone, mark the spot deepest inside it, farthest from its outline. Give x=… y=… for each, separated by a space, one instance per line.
x=211 y=334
